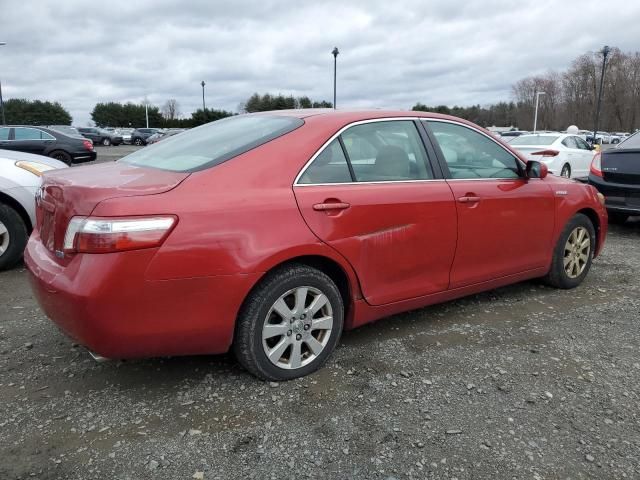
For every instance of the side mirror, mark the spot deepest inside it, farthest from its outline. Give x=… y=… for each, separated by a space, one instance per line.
x=536 y=169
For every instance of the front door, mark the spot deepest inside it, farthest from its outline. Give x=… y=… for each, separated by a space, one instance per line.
x=505 y=221
x=371 y=195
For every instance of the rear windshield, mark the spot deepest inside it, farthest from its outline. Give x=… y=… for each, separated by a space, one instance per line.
x=213 y=143
x=534 y=140
x=631 y=142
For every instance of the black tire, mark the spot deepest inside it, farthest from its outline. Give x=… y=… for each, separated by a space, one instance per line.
x=138 y=141
x=615 y=141
x=62 y=156
x=618 y=218
x=13 y=241
x=106 y=141
x=566 y=171
x=558 y=276
x=248 y=343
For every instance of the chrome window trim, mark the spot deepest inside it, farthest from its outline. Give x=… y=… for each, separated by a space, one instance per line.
x=442 y=120
x=370 y=183
x=336 y=135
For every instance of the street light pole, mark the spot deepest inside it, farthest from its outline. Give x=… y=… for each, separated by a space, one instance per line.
x=605 y=52
x=535 y=117
x=204 y=109
x=335 y=53
x=4 y=122
x=146 y=110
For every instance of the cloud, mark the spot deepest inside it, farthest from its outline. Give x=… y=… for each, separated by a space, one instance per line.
x=392 y=54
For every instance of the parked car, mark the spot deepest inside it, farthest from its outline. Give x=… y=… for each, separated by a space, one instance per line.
x=67 y=130
x=269 y=233
x=510 y=135
x=615 y=172
x=126 y=134
x=20 y=175
x=140 y=135
x=156 y=137
x=47 y=141
x=601 y=138
x=100 y=136
x=565 y=155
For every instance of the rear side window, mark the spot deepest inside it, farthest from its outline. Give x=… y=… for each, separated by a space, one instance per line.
x=470 y=154
x=386 y=151
x=328 y=167
x=631 y=142
x=213 y=143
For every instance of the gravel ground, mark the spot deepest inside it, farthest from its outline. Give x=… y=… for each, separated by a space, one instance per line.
x=521 y=382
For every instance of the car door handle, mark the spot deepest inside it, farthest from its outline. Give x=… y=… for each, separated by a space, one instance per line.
x=323 y=207
x=468 y=199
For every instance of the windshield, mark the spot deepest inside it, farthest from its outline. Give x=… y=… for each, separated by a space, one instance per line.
x=213 y=143
x=534 y=140
x=631 y=142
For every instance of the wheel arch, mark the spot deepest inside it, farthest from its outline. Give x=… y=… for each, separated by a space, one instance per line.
x=595 y=220
x=13 y=203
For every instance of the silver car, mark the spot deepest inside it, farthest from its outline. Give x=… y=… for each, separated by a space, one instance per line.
x=19 y=180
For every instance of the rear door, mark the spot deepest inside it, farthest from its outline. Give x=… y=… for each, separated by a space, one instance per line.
x=584 y=156
x=505 y=221
x=372 y=195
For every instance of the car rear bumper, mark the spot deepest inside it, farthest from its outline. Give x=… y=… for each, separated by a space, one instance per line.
x=104 y=302
x=619 y=197
x=84 y=156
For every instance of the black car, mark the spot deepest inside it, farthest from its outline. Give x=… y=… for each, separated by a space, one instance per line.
x=100 y=137
x=615 y=172
x=140 y=135
x=47 y=141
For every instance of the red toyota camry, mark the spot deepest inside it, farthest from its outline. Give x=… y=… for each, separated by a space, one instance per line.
x=270 y=233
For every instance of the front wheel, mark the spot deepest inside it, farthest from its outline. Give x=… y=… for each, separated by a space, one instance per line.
x=573 y=253
x=289 y=324
x=13 y=237
x=106 y=141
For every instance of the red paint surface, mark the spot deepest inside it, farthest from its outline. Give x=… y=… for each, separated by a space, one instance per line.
x=401 y=245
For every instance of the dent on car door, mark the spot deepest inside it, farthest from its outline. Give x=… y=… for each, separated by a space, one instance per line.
x=505 y=221
x=371 y=194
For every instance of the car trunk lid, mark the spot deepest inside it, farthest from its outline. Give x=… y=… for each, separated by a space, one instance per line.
x=621 y=165
x=76 y=192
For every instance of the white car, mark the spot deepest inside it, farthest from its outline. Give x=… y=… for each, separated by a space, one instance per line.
x=564 y=154
x=19 y=180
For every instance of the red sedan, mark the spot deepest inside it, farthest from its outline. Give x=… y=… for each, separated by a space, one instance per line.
x=270 y=233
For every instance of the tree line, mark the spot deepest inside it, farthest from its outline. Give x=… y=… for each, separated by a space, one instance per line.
x=19 y=111
x=135 y=115
x=569 y=98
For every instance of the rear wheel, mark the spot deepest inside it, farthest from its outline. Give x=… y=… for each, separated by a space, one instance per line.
x=289 y=324
x=618 y=218
x=573 y=253
x=13 y=237
x=62 y=156
x=106 y=141
x=566 y=171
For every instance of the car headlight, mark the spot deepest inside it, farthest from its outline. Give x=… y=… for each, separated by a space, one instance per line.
x=34 y=167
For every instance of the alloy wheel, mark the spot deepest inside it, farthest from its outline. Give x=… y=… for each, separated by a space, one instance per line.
x=297 y=328
x=4 y=238
x=576 y=252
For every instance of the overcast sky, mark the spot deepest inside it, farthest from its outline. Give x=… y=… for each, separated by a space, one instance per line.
x=392 y=53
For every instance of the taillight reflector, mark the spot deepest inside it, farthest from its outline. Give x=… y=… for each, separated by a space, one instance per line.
x=106 y=235
x=596 y=165
x=547 y=153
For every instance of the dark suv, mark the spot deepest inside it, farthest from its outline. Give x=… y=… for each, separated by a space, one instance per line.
x=46 y=141
x=139 y=135
x=100 y=137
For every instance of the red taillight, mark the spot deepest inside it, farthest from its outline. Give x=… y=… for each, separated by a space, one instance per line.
x=596 y=165
x=546 y=153
x=88 y=145
x=107 y=235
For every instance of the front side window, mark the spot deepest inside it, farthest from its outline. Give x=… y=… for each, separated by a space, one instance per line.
x=4 y=133
x=22 y=133
x=386 y=151
x=581 y=144
x=328 y=167
x=213 y=143
x=470 y=154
